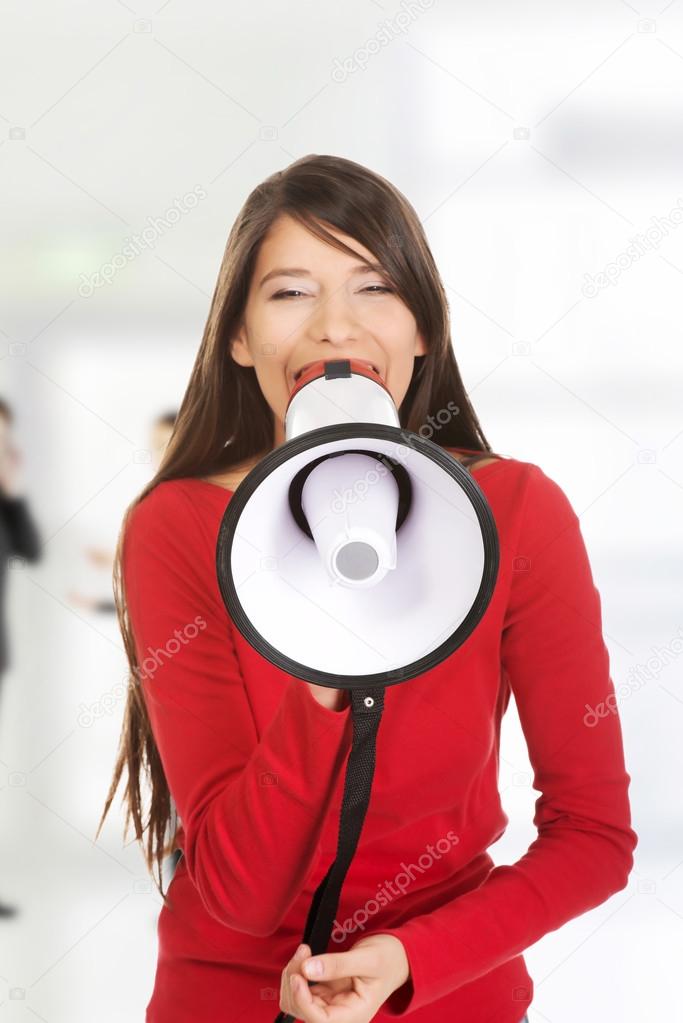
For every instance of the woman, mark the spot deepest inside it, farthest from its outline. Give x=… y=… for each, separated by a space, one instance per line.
x=327 y=259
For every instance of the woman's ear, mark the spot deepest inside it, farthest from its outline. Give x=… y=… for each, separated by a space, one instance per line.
x=420 y=346
x=238 y=349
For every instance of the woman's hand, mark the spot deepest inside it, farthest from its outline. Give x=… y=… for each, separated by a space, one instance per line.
x=352 y=985
x=333 y=699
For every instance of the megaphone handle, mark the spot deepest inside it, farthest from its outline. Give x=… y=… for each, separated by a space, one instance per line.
x=367 y=706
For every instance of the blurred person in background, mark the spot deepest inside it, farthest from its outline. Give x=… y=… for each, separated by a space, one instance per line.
x=103 y=557
x=18 y=536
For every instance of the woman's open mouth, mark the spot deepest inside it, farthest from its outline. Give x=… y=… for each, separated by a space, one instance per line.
x=371 y=365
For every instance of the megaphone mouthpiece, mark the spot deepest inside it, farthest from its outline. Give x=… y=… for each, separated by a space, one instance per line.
x=355 y=532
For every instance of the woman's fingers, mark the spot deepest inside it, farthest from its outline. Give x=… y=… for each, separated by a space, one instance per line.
x=302 y=999
x=349 y=986
x=296 y=997
x=331 y=999
x=312 y=1007
x=314 y=1003
x=292 y=966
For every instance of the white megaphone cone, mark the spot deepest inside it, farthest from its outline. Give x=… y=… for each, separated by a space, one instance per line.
x=357 y=552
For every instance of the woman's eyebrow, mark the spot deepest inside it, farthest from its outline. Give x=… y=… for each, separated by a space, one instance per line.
x=298 y=271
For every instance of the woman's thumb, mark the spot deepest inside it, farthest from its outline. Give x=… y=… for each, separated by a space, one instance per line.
x=339 y=965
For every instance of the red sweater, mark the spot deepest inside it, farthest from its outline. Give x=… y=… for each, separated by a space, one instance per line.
x=255 y=766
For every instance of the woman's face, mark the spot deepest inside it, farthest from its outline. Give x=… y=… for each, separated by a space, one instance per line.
x=336 y=309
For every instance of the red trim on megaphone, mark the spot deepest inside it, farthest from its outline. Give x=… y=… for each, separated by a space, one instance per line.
x=317 y=369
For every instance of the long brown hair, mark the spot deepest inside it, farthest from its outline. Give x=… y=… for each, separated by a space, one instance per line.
x=224 y=418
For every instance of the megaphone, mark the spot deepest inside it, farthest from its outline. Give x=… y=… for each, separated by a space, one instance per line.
x=356 y=555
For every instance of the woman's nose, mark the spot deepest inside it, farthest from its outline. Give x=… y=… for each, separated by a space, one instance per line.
x=333 y=320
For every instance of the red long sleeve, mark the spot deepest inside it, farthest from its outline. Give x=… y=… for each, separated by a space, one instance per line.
x=237 y=794
x=256 y=767
x=555 y=661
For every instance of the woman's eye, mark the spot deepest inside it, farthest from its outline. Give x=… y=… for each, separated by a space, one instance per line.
x=373 y=289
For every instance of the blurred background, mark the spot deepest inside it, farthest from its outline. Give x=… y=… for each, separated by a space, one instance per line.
x=541 y=146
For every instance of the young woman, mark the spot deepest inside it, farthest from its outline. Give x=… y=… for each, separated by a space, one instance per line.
x=328 y=260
